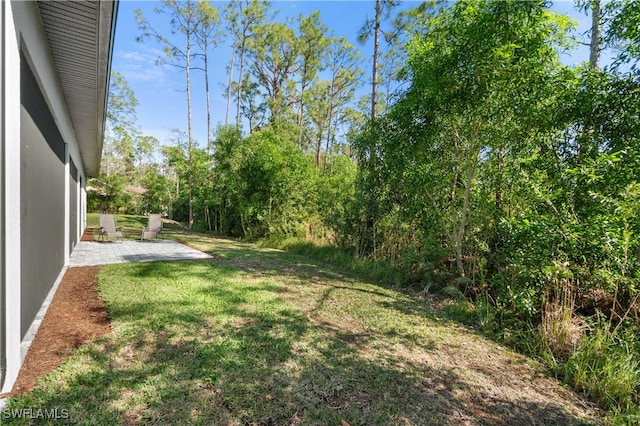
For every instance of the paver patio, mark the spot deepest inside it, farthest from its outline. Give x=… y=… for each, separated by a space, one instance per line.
x=90 y=253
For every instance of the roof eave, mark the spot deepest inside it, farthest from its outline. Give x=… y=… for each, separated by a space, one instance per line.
x=81 y=36
x=107 y=26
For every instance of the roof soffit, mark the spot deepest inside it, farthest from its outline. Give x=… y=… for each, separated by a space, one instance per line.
x=80 y=35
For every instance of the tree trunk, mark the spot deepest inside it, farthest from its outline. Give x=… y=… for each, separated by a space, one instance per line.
x=206 y=88
x=499 y=198
x=233 y=57
x=242 y=48
x=318 y=147
x=596 y=38
x=587 y=140
x=301 y=110
x=189 y=129
x=207 y=215
x=330 y=119
x=374 y=103
x=463 y=215
x=376 y=52
x=300 y=124
x=467 y=155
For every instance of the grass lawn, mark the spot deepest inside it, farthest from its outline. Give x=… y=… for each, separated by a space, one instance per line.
x=264 y=337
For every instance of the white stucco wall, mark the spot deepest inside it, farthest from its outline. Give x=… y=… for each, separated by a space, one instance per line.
x=11 y=201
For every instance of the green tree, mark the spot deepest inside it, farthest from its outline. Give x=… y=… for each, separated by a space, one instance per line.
x=186 y=19
x=252 y=103
x=192 y=168
x=279 y=181
x=346 y=74
x=242 y=18
x=207 y=36
x=624 y=31
x=273 y=54
x=118 y=149
x=265 y=184
x=336 y=195
x=312 y=48
x=383 y=8
x=318 y=112
x=476 y=74
x=228 y=186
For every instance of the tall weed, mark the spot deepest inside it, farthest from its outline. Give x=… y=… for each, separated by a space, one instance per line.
x=560 y=330
x=606 y=367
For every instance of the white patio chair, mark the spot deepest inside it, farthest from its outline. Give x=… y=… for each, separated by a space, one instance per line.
x=109 y=229
x=153 y=228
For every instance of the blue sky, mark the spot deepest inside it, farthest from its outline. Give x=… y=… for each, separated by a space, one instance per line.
x=160 y=88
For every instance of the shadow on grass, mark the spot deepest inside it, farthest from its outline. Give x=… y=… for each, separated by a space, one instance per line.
x=157 y=378
x=192 y=346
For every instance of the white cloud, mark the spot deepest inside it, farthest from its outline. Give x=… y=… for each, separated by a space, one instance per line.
x=142 y=66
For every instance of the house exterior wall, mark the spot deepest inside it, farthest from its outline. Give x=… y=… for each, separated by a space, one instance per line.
x=42 y=194
x=42 y=202
x=10 y=355
x=37 y=189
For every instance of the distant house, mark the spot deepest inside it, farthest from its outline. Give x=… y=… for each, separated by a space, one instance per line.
x=54 y=73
